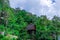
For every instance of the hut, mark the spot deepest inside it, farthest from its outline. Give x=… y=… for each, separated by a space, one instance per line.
x=31 y=28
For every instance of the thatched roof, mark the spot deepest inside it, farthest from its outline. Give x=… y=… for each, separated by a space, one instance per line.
x=31 y=27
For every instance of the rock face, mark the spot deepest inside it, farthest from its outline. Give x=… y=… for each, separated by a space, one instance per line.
x=3 y=18
x=2 y=33
x=58 y=37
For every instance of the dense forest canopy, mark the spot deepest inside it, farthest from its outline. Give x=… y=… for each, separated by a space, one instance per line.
x=13 y=22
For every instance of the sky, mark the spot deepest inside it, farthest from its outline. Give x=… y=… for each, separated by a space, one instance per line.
x=49 y=8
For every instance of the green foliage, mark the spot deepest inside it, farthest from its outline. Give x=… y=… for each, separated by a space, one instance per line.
x=16 y=21
x=2 y=28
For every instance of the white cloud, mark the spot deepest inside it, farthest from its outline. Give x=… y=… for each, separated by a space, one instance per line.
x=21 y=8
x=45 y=3
x=32 y=10
x=17 y=3
x=38 y=7
x=48 y=8
x=58 y=13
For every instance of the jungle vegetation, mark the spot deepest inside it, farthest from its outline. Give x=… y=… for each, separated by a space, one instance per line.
x=13 y=23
